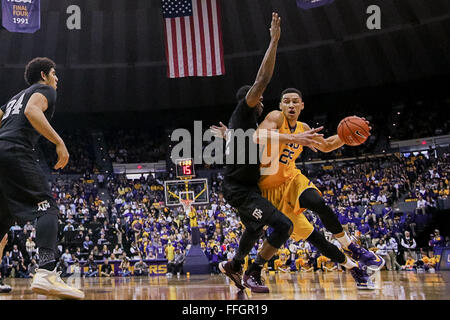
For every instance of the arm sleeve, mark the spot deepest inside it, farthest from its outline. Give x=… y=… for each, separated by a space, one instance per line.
x=3 y=108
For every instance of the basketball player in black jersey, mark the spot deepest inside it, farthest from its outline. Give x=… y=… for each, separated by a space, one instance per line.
x=24 y=190
x=240 y=186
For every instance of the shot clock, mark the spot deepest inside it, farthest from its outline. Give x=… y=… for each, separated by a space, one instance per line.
x=185 y=168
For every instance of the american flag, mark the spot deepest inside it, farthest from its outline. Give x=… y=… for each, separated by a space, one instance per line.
x=193 y=38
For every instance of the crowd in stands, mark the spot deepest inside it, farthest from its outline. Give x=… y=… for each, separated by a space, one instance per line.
x=407 y=125
x=79 y=144
x=136 y=145
x=132 y=224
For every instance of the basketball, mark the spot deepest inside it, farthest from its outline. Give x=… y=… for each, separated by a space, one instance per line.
x=353 y=131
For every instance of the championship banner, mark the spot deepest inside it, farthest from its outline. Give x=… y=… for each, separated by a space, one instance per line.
x=309 y=4
x=21 y=15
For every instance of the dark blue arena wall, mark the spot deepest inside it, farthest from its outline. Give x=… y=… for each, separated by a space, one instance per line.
x=116 y=61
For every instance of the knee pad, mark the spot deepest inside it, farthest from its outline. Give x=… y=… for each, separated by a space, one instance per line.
x=282 y=229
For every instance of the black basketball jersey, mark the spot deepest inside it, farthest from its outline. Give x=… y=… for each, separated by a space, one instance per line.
x=15 y=127
x=244 y=118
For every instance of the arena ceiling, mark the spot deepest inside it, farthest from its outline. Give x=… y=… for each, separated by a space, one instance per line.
x=116 y=62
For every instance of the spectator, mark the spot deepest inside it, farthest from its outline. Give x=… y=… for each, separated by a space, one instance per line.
x=392 y=250
x=421 y=205
x=16 y=255
x=87 y=244
x=67 y=257
x=117 y=250
x=176 y=266
x=30 y=247
x=215 y=260
x=436 y=241
x=383 y=252
x=408 y=245
x=69 y=227
x=7 y=265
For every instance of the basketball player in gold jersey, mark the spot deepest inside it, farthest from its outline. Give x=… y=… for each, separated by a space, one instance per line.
x=291 y=192
x=284 y=188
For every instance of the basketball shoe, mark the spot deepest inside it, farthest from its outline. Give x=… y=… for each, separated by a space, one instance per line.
x=371 y=260
x=49 y=283
x=254 y=282
x=236 y=276
x=363 y=281
x=4 y=288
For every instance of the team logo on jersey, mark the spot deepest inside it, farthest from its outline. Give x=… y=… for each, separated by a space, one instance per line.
x=257 y=214
x=43 y=206
x=360 y=134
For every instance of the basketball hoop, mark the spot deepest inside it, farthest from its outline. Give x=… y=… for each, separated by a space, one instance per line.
x=186 y=203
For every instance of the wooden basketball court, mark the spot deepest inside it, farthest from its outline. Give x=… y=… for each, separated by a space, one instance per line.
x=391 y=285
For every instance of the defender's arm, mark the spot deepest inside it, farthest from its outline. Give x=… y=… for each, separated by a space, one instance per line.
x=267 y=66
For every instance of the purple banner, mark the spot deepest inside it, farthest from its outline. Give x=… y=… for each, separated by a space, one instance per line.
x=21 y=15
x=309 y=4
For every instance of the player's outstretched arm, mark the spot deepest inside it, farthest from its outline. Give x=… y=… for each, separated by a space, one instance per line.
x=267 y=66
x=34 y=112
x=1 y=116
x=268 y=130
x=331 y=143
x=326 y=145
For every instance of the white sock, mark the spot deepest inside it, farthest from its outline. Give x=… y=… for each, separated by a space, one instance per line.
x=344 y=240
x=349 y=263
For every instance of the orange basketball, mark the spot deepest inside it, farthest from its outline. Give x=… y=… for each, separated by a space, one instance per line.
x=353 y=131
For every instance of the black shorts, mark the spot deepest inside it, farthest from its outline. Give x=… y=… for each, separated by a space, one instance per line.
x=253 y=209
x=24 y=189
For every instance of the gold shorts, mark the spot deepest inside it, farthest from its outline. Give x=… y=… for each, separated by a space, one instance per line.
x=285 y=199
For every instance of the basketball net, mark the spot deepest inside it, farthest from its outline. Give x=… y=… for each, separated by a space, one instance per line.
x=186 y=205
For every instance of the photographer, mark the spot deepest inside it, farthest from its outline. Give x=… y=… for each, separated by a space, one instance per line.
x=107 y=269
x=141 y=268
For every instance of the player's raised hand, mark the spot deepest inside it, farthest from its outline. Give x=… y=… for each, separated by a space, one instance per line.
x=219 y=132
x=309 y=138
x=63 y=156
x=275 y=27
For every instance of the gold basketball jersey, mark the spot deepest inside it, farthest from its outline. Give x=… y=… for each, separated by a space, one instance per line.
x=288 y=153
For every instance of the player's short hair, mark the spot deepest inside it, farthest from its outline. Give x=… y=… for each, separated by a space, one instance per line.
x=34 y=68
x=291 y=90
x=242 y=92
